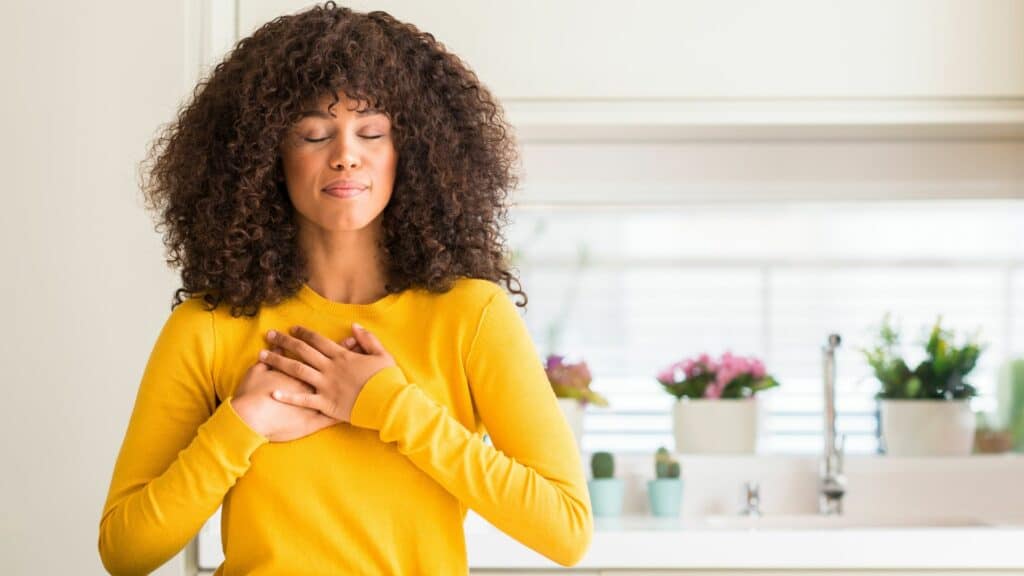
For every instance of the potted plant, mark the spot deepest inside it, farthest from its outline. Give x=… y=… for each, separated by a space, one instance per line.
x=716 y=410
x=925 y=411
x=666 y=490
x=606 y=490
x=571 y=383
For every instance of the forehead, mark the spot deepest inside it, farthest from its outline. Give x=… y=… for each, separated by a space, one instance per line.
x=327 y=107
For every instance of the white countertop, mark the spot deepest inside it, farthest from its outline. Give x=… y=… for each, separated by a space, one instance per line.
x=658 y=543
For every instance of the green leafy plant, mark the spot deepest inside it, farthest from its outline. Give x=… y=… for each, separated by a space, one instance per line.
x=602 y=465
x=665 y=466
x=940 y=376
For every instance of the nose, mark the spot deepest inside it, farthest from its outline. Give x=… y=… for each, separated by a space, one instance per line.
x=344 y=155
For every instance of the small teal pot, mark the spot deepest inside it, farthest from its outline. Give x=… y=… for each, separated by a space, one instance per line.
x=606 y=496
x=665 y=496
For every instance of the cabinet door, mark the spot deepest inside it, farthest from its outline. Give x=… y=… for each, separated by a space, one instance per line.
x=718 y=49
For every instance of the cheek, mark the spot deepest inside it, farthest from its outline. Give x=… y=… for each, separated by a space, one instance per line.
x=298 y=169
x=392 y=166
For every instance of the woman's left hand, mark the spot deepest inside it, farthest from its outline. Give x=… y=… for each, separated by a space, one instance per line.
x=336 y=371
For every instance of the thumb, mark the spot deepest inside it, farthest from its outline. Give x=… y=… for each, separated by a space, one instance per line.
x=367 y=340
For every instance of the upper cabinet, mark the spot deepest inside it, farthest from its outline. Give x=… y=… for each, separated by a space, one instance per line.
x=672 y=66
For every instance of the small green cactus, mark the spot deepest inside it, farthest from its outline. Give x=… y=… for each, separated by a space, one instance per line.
x=665 y=466
x=602 y=465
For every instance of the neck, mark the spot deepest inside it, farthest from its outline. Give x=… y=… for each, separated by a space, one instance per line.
x=344 y=266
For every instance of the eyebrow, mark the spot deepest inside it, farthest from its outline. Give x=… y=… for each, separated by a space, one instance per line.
x=325 y=115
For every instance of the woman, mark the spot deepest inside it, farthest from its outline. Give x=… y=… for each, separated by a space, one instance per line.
x=334 y=195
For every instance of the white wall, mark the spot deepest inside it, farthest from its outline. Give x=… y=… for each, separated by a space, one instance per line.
x=85 y=85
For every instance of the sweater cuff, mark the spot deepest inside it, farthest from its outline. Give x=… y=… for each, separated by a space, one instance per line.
x=374 y=400
x=228 y=430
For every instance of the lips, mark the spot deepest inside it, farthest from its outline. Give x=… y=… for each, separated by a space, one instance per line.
x=345 y=188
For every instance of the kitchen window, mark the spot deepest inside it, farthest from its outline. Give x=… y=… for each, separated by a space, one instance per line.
x=631 y=275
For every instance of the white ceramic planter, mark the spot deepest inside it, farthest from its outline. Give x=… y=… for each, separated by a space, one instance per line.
x=716 y=426
x=574 y=416
x=927 y=427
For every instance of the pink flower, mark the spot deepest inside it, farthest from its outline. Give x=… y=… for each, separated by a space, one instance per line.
x=668 y=374
x=757 y=369
x=701 y=365
x=721 y=374
x=713 y=390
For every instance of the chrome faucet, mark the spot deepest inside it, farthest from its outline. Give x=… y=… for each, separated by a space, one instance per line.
x=832 y=483
x=753 y=499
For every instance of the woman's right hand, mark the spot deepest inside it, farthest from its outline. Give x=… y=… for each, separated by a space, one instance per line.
x=277 y=421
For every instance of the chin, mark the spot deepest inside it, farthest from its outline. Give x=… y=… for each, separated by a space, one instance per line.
x=347 y=224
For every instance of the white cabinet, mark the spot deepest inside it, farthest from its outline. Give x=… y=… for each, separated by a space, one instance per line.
x=665 y=69
x=720 y=49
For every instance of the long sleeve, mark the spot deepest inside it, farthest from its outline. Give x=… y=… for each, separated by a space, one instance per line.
x=181 y=454
x=530 y=483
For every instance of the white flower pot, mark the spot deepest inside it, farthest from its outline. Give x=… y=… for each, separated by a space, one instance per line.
x=574 y=416
x=927 y=427
x=716 y=426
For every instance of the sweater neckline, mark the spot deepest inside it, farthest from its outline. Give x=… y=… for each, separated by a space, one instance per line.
x=318 y=302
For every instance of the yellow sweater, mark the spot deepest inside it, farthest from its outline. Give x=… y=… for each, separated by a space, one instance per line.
x=386 y=494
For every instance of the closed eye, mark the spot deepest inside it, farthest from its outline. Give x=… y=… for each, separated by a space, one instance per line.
x=326 y=137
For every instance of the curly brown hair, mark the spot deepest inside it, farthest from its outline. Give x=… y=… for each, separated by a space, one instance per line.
x=216 y=179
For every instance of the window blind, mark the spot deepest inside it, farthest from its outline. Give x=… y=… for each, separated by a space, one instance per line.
x=631 y=290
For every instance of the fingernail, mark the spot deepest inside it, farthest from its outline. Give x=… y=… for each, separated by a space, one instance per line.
x=272 y=334
x=357 y=326
x=263 y=354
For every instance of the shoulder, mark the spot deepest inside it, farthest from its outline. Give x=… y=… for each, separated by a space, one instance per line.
x=468 y=298
x=469 y=295
x=474 y=292
x=191 y=315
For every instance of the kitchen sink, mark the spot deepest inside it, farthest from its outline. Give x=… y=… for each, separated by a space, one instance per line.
x=820 y=522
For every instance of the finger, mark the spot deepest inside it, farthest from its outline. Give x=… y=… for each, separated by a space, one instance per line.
x=300 y=349
x=367 y=340
x=300 y=399
x=294 y=368
x=351 y=344
x=321 y=343
x=275 y=350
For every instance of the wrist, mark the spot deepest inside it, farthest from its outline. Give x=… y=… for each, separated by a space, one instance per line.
x=246 y=408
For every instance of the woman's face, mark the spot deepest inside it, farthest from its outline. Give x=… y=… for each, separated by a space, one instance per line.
x=339 y=166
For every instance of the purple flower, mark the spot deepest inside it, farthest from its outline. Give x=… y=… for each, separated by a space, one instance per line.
x=553 y=362
x=569 y=375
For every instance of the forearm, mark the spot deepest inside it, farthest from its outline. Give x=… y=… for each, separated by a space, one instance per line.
x=540 y=502
x=149 y=519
